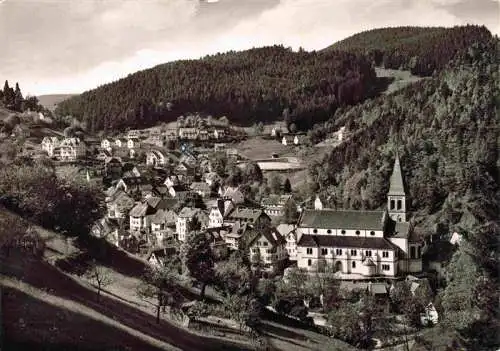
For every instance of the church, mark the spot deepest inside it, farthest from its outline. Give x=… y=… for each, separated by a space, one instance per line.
x=361 y=244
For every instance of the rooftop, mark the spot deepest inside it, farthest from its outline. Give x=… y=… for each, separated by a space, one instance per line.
x=329 y=219
x=345 y=241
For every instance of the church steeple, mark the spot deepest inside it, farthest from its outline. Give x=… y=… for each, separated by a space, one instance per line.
x=396 y=199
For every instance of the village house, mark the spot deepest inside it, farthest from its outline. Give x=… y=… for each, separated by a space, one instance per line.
x=103 y=155
x=287 y=231
x=171 y=180
x=70 y=150
x=178 y=191
x=185 y=217
x=212 y=179
x=170 y=134
x=219 y=212
x=203 y=135
x=232 y=193
x=133 y=143
x=142 y=213
x=119 y=142
x=118 y=203
x=274 y=205
x=233 y=238
x=268 y=247
x=157 y=257
x=219 y=133
x=291 y=140
x=201 y=188
x=49 y=144
x=133 y=134
x=188 y=133
x=155 y=158
x=113 y=167
x=163 y=219
x=106 y=144
x=220 y=147
x=255 y=217
x=362 y=243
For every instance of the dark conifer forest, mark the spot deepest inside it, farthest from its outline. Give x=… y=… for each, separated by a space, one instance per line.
x=423 y=51
x=249 y=86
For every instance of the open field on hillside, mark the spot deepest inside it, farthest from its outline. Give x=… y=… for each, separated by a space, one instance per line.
x=401 y=78
x=259 y=148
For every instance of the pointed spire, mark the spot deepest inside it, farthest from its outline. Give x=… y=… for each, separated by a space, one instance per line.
x=396 y=182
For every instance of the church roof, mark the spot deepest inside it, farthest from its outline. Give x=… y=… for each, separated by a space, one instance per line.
x=396 y=182
x=345 y=241
x=329 y=219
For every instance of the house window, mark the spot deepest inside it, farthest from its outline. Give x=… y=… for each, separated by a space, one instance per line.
x=309 y=251
x=342 y=231
x=372 y=233
x=264 y=243
x=315 y=231
x=329 y=231
x=324 y=252
x=368 y=253
x=419 y=252
x=268 y=251
x=412 y=252
x=357 y=232
x=385 y=254
x=254 y=250
x=353 y=253
x=309 y=262
x=338 y=251
x=399 y=206
x=353 y=264
x=386 y=267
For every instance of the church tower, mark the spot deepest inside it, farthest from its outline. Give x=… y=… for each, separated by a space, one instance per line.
x=396 y=199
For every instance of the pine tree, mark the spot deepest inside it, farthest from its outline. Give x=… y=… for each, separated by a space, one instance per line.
x=18 y=99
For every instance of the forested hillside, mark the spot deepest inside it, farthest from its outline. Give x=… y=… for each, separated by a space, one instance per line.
x=420 y=50
x=446 y=130
x=250 y=86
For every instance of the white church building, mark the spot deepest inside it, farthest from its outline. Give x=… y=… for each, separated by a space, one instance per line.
x=361 y=244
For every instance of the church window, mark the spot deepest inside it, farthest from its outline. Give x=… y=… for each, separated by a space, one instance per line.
x=353 y=253
x=309 y=251
x=338 y=251
x=372 y=233
x=392 y=205
x=342 y=231
x=399 y=204
x=329 y=231
x=315 y=231
x=419 y=252
x=324 y=251
x=353 y=264
x=412 y=252
x=357 y=232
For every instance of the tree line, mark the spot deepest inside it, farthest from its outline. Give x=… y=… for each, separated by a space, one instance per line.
x=12 y=99
x=420 y=50
x=249 y=86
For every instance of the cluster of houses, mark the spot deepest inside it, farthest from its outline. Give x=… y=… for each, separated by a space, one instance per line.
x=184 y=194
x=64 y=149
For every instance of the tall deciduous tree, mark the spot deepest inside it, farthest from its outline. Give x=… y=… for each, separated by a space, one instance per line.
x=198 y=259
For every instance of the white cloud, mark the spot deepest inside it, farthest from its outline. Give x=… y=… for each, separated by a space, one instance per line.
x=117 y=37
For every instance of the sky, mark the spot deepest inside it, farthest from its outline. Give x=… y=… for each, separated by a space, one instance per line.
x=69 y=46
